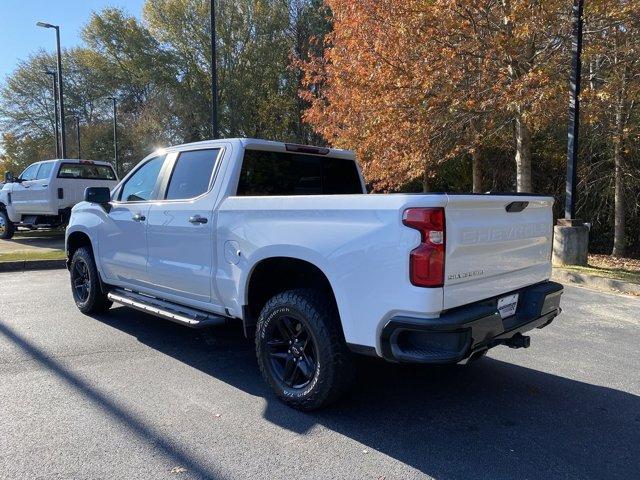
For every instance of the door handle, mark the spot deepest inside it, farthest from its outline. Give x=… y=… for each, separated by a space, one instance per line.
x=139 y=218
x=197 y=219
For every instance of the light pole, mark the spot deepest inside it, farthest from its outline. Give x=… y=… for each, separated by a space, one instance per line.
x=55 y=108
x=571 y=236
x=214 y=74
x=63 y=141
x=115 y=134
x=574 y=111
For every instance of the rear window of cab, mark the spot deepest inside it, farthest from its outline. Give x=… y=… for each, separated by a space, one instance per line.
x=86 y=171
x=267 y=173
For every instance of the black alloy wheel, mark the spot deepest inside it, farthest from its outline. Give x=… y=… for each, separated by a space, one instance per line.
x=87 y=290
x=292 y=352
x=301 y=349
x=80 y=280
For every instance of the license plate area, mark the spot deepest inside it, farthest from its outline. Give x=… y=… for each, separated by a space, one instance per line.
x=508 y=305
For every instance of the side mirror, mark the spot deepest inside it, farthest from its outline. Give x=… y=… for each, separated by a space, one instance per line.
x=101 y=195
x=9 y=178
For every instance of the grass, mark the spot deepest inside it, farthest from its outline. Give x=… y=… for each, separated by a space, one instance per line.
x=32 y=255
x=615 y=273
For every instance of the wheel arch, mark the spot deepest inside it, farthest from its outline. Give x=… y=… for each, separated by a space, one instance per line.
x=76 y=240
x=272 y=275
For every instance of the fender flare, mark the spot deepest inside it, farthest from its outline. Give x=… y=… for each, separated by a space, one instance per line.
x=278 y=251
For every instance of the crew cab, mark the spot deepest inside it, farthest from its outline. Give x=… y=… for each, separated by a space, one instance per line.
x=284 y=239
x=43 y=194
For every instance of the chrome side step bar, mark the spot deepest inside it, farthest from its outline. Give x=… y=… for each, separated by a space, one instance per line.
x=189 y=317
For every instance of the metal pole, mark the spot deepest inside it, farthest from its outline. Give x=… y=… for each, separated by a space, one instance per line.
x=115 y=136
x=55 y=109
x=63 y=138
x=214 y=74
x=78 y=134
x=574 y=111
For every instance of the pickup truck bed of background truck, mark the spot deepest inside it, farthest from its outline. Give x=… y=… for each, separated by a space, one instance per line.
x=43 y=194
x=285 y=239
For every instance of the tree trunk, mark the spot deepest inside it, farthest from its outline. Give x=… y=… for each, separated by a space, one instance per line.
x=425 y=179
x=619 y=219
x=523 y=155
x=618 y=160
x=517 y=66
x=476 y=165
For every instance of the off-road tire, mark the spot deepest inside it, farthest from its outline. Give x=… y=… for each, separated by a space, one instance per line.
x=7 y=228
x=96 y=300
x=334 y=366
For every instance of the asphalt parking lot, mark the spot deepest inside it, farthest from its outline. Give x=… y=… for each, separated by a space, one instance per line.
x=129 y=396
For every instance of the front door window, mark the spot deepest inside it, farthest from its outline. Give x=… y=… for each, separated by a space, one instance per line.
x=142 y=184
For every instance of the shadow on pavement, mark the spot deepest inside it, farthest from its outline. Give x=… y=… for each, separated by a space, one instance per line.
x=488 y=420
x=102 y=401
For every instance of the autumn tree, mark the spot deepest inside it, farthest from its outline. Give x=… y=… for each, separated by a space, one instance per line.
x=377 y=89
x=159 y=69
x=439 y=76
x=446 y=95
x=612 y=58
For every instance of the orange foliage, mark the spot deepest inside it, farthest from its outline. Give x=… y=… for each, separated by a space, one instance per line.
x=411 y=83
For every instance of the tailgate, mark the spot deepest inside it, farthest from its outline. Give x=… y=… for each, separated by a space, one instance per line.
x=495 y=245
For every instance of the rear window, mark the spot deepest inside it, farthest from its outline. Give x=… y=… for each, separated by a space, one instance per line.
x=86 y=171
x=284 y=173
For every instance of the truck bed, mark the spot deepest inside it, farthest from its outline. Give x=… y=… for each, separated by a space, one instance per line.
x=361 y=244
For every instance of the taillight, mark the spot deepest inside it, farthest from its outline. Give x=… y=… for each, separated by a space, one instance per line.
x=426 y=262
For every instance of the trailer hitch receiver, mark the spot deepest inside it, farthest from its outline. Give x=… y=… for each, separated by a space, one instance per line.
x=518 y=341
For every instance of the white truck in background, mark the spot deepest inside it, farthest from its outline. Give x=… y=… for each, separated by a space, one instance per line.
x=44 y=193
x=285 y=239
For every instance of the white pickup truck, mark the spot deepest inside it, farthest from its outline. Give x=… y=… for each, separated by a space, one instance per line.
x=42 y=196
x=284 y=239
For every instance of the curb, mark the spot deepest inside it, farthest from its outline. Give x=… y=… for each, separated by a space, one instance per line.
x=593 y=281
x=24 y=265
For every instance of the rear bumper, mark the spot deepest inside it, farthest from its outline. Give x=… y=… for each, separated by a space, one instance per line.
x=460 y=332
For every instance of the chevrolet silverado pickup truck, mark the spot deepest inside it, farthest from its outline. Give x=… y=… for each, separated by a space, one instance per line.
x=284 y=239
x=43 y=194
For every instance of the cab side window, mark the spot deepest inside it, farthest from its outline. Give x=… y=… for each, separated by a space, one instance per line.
x=45 y=171
x=191 y=174
x=141 y=185
x=30 y=173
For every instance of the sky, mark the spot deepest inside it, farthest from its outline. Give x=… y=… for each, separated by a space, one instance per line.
x=19 y=35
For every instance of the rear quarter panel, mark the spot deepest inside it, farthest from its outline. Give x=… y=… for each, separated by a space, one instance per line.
x=358 y=241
